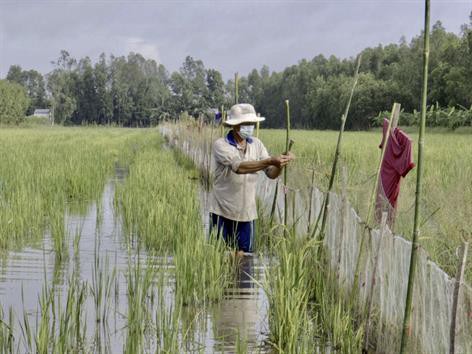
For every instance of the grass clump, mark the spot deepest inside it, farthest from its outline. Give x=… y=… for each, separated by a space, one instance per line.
x=160 y=207
x=306 y=310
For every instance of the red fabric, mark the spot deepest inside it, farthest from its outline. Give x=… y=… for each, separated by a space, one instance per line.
x=397 y=162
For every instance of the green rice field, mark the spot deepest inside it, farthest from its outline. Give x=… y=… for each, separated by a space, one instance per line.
x=105 y=245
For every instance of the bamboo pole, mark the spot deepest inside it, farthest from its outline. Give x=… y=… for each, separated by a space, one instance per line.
x=394 y=115
x=324 y=208
x=393 y=119
x=455 y=300
x=274 y=203
x=312 y=190
x=276 y=192
x=287 y=143
x=257 y=126
x=419 y=189
x=236 y=88
x=223 y=118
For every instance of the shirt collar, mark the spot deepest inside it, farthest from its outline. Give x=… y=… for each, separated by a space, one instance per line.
x=230 y=139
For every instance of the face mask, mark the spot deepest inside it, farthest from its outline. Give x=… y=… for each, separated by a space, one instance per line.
x=246 y=131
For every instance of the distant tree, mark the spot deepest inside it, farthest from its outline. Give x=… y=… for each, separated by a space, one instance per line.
x=215 y=88
x=193 y=87
x=62 y=87
x=134 y=91
x=14 y=102
x=34 y=84
x=103 y=100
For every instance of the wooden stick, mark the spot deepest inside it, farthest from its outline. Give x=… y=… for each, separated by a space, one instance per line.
x=223 y=121
x=312 y=189
x=455 y=300
x=344 y=214
x=236 y=88
x=393 y=119
x=324 y=209
x=257 y=127
x=416 y=229
x=274 y=203
x=276 y=192
x=287 y=146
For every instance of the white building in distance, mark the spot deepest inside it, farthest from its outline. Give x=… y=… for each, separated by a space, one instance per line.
x=46 y=113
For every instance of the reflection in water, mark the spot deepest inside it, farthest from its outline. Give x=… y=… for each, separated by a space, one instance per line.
x=95 y=235
x=240 y=318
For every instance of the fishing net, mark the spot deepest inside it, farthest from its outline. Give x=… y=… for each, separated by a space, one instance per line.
x=433 y=288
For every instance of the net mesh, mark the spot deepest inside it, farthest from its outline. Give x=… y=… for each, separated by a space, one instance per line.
x=433 y=288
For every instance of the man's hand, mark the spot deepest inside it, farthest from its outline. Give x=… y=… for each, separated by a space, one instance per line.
x=272 y=165
x=282 y=160
x=277 y=163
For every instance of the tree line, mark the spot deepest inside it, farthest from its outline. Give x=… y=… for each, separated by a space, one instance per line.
x=135 y=91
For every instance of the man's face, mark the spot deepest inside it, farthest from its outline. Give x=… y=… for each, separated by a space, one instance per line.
x=237 y=128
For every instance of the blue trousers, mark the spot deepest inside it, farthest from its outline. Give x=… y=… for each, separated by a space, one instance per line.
x=237 y=234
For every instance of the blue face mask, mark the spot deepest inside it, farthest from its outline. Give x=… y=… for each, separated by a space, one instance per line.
x=246 y=131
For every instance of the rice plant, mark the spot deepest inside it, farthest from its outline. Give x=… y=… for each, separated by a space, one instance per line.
x=43 y=170
x=161 y=209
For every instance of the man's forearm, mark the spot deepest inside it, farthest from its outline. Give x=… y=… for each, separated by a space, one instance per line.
x=254 y=166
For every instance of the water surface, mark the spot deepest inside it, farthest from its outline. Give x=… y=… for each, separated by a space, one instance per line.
x=98 y=247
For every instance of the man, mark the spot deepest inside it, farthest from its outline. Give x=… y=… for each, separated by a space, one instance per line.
x=237 y=158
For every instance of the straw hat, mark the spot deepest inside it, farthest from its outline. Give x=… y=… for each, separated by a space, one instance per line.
x=243 y=113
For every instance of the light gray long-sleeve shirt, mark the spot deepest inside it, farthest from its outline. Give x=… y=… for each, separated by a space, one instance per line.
x=234 y=195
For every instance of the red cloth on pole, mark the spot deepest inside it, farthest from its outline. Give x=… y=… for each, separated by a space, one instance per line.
x=397 y=162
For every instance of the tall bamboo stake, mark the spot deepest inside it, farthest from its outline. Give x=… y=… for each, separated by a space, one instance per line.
x=393 y=119
x=274 y=204
x=324 y=208
x=236 y=88
x=276 y=192
x=257 y=126
x=222 y=121
x=312 y=190
x=419 y=189
x=287 y=143
x=373 y=197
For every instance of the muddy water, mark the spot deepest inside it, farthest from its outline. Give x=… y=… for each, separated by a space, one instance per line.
x=97 y=244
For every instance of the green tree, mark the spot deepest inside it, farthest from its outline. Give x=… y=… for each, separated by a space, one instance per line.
x=34 y=84
x=215 y=88
x=103 y=101
x=13 y=102
x=62 y=86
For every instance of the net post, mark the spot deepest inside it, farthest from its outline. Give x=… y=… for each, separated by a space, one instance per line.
x=287 y=143
x=322 y=215
x=416 y=223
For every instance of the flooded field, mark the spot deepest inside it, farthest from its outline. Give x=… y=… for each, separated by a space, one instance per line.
x=105 y=248
x=103 y=261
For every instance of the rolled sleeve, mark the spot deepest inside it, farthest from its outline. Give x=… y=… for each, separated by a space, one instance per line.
x=263 y=153
x=227 y=155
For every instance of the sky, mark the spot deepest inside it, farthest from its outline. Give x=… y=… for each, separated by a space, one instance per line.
x=231 y=36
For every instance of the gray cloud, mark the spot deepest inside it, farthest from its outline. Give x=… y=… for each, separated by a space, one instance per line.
x=228 y=35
